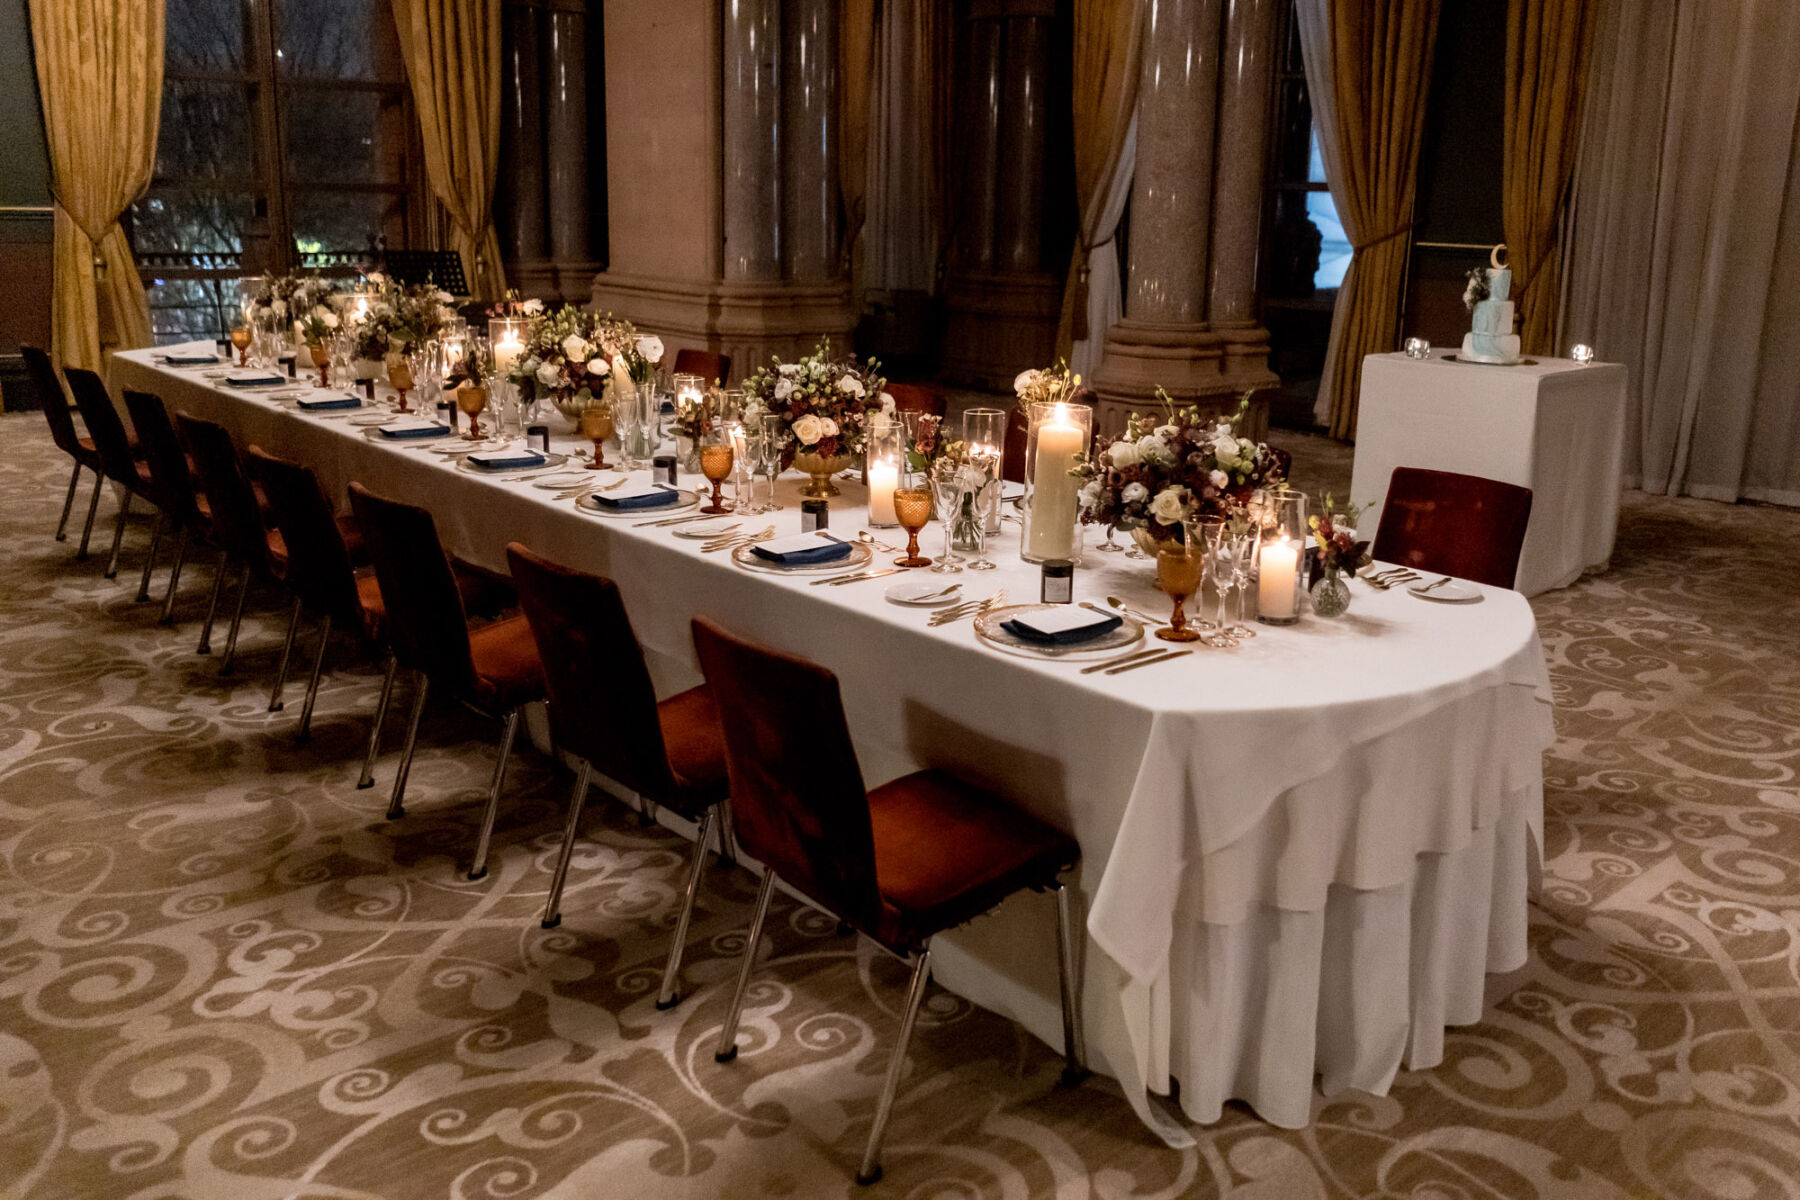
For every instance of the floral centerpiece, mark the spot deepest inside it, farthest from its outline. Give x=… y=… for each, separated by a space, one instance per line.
x=1045 y=385
x=279 y=299
x=1335 y=552
x=825 y=405
x=396 y=316
x=1163 y=473
x=568 y=358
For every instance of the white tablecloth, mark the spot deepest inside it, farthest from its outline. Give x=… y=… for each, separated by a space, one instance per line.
x=1300 y=856
x=1551 y=425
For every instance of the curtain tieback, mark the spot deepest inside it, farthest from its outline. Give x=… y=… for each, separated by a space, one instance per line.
x=1524 y=279
x=1401 y=232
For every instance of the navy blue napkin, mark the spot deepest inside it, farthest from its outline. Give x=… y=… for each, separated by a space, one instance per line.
x=1073 y=637
x=523 y=458
x=243 y=381
x=659 y=500
x=330 y=403
x=189 y=360
x=414 y=432
x=805 y=558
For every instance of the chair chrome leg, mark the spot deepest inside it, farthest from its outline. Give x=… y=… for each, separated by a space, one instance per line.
x=212 y=606
x=508 y=730
x=112 y=560
x=181 y=545
x=87 y=531
x=728 y=1033
x=871 y=1163
x=1074 y=1051
x=367 y=778
x=156 y=533
x=287 y=651
x=668 y=997
x=396 y=809
x=553 y=906
x=62 y=526
x=646 y=810
x=728 y=847
x=312 y=685
x=237 y=619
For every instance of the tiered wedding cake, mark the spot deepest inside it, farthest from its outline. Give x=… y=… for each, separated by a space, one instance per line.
x=1491 y=338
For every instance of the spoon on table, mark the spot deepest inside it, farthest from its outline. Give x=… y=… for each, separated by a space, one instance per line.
x=1129 y=611
x=869 y=539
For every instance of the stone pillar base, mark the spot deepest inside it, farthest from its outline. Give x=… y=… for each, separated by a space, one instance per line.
x=748 y=321
x=998 y=324
x=1208 y=368
x=551 y=279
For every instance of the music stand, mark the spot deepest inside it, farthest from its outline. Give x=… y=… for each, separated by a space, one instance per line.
x=440 y=267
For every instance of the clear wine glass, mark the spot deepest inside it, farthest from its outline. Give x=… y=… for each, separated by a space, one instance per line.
x=947 y=493
x=773 y=430
x=1108 y=545
x=1244 y=548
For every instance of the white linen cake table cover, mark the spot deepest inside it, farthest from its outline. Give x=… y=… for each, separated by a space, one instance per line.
x=1300 y=857
x=1552 y=425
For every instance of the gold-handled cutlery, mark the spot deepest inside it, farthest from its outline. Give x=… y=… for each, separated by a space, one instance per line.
x=1431 y=587
x=1161 y=657
x=869 y=539
x=1120 y=606
x=678 y=520
x=970 y=608
x=884 y=572
x=736 y=540
x=1122 y=659
x=1388 y=578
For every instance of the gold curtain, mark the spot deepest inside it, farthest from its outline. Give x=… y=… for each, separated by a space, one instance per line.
x=100 y=72
x=452 y=54
x=1545 y=63
x=1108 y=49
x=856 y=76
x=1368 y=69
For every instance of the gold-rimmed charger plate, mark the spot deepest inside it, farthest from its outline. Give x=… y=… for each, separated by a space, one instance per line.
x=550 y=460
x=591 y=506
x=859 y=556
x=987 y=629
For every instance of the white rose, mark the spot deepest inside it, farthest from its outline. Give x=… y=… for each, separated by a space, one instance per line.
x=1168 y=505
x=532 y=306
x=1167 y=432
x=1090 y=495
x=1134 y=493
x=549 y=374
x=1026 y=379
x=1220 y=479
x=850 y=385
x=575 y=348
x=829 y=426
x=651 y=347
x=808 y=430
x=443 y=297
x=1124 y=454
x=888 y=404
x=1152 y=451
x=1225 y=446
x=789 y=368
x=785 y=388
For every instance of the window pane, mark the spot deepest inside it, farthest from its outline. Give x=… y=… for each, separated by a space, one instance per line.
x=336 y=39
x=332 y=228
x=204 y=34
x=184 y=310
x=345 y=136
x=205 y=131
x=190 y=223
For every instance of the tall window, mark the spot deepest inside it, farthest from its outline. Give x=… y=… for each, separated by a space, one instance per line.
x=286 y=144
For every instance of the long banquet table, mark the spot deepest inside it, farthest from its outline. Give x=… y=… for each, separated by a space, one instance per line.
x=1300 y=857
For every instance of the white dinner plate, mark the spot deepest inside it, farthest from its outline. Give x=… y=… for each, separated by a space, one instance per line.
x=922 y=593
x=705 y=531
x=1449 y=593
x=592 y=508
x=564 y=481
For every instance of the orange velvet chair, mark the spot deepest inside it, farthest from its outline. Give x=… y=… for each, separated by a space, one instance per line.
x=704 y=363
x=925 y=398
x=1451 y=524
x=603 y=709
x=55 y=401
x=898 y=864
x=493 y=667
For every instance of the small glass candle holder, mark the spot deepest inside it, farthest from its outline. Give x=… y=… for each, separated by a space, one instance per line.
x=1582 y=353
x=688 y=390
x=1281 y=553
x=886 y=439
x=1059 y=433
x=1418 y=348
x=507 y=337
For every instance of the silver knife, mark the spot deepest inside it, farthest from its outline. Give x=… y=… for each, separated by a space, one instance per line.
x=870 y=575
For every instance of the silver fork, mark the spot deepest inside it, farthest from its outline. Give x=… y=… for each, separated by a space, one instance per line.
x=970 y=609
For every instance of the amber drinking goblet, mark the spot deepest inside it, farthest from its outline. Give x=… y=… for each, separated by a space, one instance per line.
x=240 y=341
x=717 y=457
x=912 y=507
x=400 y=378
x=596 y=424
x=1179 y=568
x=472 y=400
x=321 y=358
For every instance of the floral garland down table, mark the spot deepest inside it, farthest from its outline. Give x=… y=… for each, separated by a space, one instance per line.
x=1301 y=855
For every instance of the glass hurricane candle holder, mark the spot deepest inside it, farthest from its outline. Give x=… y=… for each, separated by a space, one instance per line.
x=1282 y=551
x=1058 y=435
x=1417 y=347
x=1582 y=353
x=507 y=337
x=887 y=453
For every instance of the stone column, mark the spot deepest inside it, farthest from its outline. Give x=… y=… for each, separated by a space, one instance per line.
x=521 y=183
x=1026 y=102
x=979 y=94
x=1244 y=113
x=809 y=137
x=752 y=139
x=565 y=124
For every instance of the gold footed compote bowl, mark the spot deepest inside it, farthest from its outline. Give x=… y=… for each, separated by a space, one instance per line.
x=240 y=341
x=717 y=456
x=596 y=424
x=472 y=401
x=912 y=507
x=1179 y=569
x=821 y=467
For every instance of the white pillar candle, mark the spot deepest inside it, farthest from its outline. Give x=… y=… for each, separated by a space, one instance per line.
x=1279 y=563
x=1053 y=497
x=506 y=353
x=884 y=477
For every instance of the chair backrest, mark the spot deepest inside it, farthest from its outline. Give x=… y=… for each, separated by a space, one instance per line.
x=602 y=702
x=1461 y=525
x=55 y=402
x=103 y=425
x=797 y=797
x=169 y=478
x=918 y=397
x=237 y=521
x=319 y=569
x=1012 y=462
x=426 y=623
x=704 y=363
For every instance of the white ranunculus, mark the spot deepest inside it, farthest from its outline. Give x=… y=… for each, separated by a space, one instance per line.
x=1154 y=452
x=651 y=347
x=1220 y=479
x=828 y=426
x=549 y=374
x=789 y=368
x=1225 y=447
x=1089 y=495
x=1026 y=379
x=850 y=385
x=1134 y=493
x=1124 y=454
x=808 y=430
x=576 y=348
x=1168 y=505
x=785 y=388
x=888 y=404
x=1167 y=432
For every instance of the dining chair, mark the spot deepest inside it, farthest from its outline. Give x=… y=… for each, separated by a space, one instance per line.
x=236 y=525
x=179 y=506
x=55 y=403
x=1451 y=524
x=704 y=363
x=603 y=710
x=493 y=667
x=898 y=864
x=115 y=445
x=925 y=398
x=1012 y=455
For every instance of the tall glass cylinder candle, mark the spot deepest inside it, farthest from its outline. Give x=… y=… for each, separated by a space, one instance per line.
x=507 y=336
x=886 y=448
x=1280 y=558
x=1058 y=435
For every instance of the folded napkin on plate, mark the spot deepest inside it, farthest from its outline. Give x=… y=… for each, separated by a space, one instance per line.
x=500 y=460
x=1061 y=626
x=326 y=403
x=655 y=495
x=412 y=429
x=253 y=379
x=802 y=550
x=187 y=358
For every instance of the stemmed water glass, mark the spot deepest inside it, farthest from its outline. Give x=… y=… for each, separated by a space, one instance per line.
x=1247 y=538
x=629 y=418
x=769 y=458
x=945 y=487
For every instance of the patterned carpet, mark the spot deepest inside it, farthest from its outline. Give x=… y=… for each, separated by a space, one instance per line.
x=223 y=975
